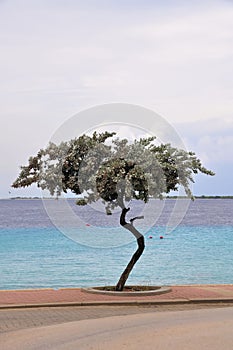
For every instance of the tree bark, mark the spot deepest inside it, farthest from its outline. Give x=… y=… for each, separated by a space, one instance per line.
x=137 y=254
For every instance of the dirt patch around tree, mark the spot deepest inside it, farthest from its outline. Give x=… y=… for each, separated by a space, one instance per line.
x=135 y=290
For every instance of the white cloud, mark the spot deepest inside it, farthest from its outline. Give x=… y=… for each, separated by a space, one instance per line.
x=211 y=140
x=216 y=149
x=59 y=57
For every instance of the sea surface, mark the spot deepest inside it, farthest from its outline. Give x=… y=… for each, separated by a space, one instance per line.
x=186 y=243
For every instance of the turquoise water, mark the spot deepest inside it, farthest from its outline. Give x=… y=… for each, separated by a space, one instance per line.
x=35 y=254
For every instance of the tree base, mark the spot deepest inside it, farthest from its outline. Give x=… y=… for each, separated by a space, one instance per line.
x=129 y=291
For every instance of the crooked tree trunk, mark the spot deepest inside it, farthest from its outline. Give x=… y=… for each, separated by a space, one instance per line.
x=137 y=254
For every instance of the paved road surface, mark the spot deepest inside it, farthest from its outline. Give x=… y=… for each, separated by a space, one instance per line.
x=13 y=319
x=201 y=329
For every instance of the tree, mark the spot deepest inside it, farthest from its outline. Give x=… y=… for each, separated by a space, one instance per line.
x=104 y=167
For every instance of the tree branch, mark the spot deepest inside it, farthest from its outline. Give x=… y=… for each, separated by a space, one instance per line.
x=139 y=251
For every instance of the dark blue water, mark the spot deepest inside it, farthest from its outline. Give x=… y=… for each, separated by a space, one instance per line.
x=34 y=253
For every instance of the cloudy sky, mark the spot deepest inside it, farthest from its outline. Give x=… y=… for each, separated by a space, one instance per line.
x=59 y=57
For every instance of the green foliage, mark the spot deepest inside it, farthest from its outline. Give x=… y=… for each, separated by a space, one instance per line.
x=112 y=176
x=81 y=202
x=104 y=167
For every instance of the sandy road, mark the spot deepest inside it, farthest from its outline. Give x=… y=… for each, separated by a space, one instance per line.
x=178 y=330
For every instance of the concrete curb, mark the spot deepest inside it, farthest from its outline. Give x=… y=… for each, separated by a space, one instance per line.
x=120 y=303
x=152 y=290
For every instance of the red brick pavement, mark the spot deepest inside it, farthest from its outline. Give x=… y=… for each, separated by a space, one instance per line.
x=77 y=296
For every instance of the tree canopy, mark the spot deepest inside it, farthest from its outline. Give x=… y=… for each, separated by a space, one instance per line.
x=103 y=166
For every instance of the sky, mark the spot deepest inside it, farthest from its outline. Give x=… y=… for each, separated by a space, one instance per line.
x=60 y=57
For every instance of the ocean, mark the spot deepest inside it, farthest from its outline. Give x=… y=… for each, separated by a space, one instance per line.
x=186 y=243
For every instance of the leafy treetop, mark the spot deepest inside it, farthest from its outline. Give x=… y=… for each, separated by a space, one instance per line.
x=105 y=167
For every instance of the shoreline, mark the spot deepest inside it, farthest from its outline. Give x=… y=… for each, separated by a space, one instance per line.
x=167 y=197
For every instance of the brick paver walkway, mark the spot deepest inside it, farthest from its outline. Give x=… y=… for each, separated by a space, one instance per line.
x=75 y=296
